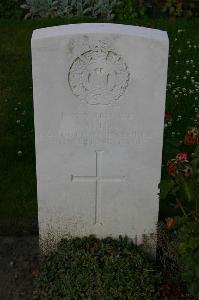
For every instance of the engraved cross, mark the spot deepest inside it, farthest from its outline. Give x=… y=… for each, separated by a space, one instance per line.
x=98 y=179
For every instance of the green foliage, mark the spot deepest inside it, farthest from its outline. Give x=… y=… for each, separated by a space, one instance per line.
x=176 y=8
x=40 y=8
x=167 y=256
x=178 y=257
x=130 y=10
x=187 y=247
x=183 y=183
x=105 y=9
x=185 y=190
x=69 y=8
x=89 y=268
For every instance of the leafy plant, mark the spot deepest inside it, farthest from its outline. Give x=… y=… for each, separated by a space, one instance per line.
x=168 y=260
x=176 y=8
x=130 y=10
x=89 y=268
x=40 y=8
x=183 y=183
x=60 y=8
x=187 y=247
x=178 y=257
x=81 y=7
x=64 y=8
x=104 y=9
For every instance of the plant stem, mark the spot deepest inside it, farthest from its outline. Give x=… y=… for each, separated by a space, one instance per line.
x=181 y=207
x=196 y=152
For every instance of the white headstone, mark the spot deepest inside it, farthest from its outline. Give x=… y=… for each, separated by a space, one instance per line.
x=99 y=100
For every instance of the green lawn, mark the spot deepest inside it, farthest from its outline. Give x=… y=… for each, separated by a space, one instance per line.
x=17 y=149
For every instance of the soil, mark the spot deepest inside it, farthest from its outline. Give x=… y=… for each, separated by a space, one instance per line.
x=19 y=260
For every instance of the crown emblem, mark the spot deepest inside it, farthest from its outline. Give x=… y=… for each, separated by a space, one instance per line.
x=99 y=76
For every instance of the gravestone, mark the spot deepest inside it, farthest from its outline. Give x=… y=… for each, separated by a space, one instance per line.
x=99 y=100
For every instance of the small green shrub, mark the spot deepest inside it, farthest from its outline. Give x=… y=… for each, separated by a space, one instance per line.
x=178 y=255
x=105 y=10
x=178 y=258
x=89 y=268
x=176 y=8
x=183 y=181
x=183 y=186
x=130 y=10
x=187 y=247
x=69 y=8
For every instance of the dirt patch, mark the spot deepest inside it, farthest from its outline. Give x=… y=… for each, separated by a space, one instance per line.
x=19 y=258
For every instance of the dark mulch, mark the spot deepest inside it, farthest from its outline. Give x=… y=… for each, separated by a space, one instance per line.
x=19 y=259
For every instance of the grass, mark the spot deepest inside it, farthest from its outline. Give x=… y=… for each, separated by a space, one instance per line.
x=17 y=149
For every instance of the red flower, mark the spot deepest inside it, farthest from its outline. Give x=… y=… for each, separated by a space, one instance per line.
x=188 y=139
x=192 y=137
x=182 y=156
x=172 y=168
x=187 y=172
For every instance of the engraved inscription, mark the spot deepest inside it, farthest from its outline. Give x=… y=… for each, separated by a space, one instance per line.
x=99 y=76
x=100 y=129
x=98 y=179
x=97 y=129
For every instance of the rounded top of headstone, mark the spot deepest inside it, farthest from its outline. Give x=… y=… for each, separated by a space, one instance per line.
x=72 y=29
